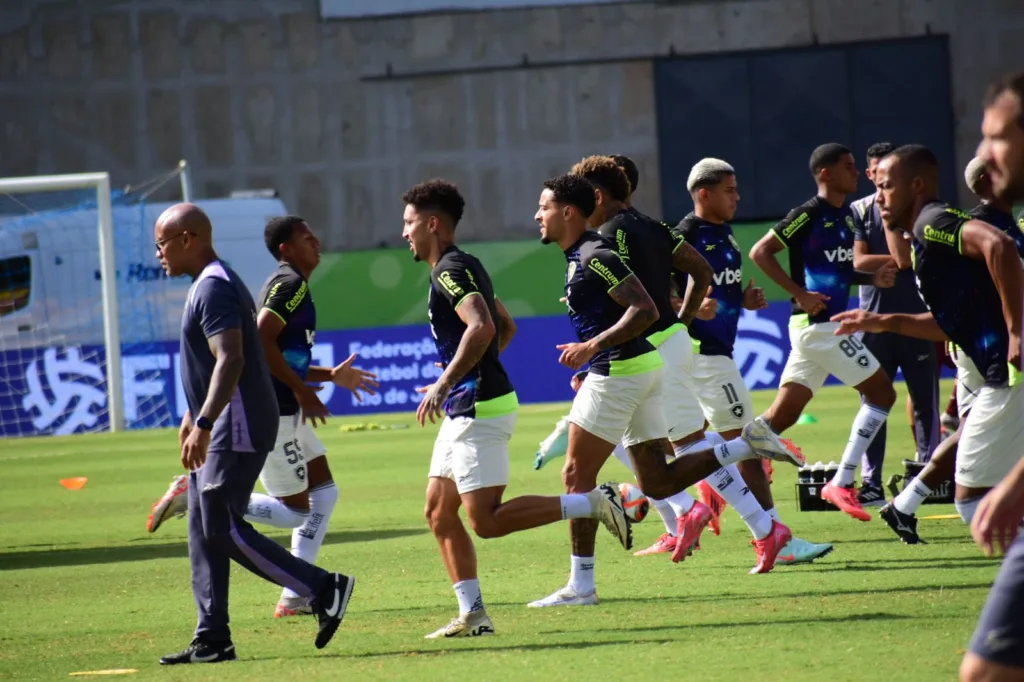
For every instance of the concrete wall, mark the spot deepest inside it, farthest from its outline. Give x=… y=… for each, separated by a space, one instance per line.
x=262 y=93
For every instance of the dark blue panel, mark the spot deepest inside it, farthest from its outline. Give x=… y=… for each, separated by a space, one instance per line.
x=703 y=110
x=801 y=100
x=901 y=93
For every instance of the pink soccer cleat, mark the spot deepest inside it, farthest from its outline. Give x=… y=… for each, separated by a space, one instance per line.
x=714 y=501
x=845 y=499
x=690 y=525
x=173 y=503
x=768 y=548
x=666 y=543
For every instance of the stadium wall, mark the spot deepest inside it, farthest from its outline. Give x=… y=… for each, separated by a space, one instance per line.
x=341 y=116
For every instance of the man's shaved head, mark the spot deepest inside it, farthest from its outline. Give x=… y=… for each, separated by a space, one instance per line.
x=184 y=240
x=186 y=218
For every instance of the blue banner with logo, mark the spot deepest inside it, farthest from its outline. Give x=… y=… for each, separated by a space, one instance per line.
x=54 y=391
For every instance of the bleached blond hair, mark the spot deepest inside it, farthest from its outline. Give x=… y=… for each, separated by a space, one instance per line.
x=708 y=172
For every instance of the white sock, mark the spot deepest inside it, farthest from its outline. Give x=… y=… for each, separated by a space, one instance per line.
x=967 y=509
x=865 y=425
x=271 y=511
x=468 y=594
x=668 y=516
x=682 y=502
x=577 y=506
x=774 y=513
x=620 y=454
x=307 y=538
x=912 y=497
x=731 y=486
x=713 y=438
x=733 y=451
x=581 y=576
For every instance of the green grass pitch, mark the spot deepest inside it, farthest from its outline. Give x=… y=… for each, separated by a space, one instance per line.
x=84 y=587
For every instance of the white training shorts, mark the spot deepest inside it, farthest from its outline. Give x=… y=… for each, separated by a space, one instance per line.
x=284 y=473
x=683 y=413
x=723 y=394
x=473 y=452
x=621 y=408
x=969 y=381
x=992 y=441
x=817 y=352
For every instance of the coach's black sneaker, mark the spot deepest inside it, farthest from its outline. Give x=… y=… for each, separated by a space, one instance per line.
x=870 y=495
x=904 y=525
x=202 y=652
x=330 y=608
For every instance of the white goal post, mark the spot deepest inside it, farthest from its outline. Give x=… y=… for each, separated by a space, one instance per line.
x=100 y=184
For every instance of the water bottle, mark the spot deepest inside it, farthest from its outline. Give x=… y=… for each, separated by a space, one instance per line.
x=803 y=474
x=831 y=469
x=818 y=473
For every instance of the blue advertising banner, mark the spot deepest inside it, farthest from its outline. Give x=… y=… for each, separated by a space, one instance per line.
x=62 y=390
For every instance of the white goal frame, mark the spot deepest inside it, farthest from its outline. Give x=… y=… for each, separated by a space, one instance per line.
x=100 y=183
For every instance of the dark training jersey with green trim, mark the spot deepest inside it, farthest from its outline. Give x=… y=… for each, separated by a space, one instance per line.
x=646 y=246
x=286 y=294
x=819 y=237
x=456 y=277
x=593 y=268
x=959 y=291
x=717 y=244
x=987 y=213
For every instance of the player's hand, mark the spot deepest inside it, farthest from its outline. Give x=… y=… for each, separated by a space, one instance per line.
x=185 y=429
x=999 y=514
x=1013 y=356
x=575 y=355
x=853 y=321
x=885 y=276
x=193 y=450
x=677 y=303
x=753 y=297
x=577 y=380
x=708 y=309
x=564 y=300
x=354 y=378
x=311 y=406
x=811 y=302
x=432 y=405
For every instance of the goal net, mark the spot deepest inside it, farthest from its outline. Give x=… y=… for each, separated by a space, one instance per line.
x=88 y=318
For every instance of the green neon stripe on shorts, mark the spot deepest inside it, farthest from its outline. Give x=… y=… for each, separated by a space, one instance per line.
x=658 y=338
x=497 y=407
x=648 y=362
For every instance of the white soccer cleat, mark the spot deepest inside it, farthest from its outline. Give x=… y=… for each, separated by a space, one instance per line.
x=612 y=512
x=472 y=624
x=566 y=597
x=292 y=606
x=766 y=444
x=173 y=503
x=554 y=446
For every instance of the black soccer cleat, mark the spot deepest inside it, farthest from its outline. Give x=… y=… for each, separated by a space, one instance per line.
x=331 y=605
x=202 y=652
x=870 y=496
x=904 y=525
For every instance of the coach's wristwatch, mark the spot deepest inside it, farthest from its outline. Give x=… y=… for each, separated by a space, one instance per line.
x=204 y=424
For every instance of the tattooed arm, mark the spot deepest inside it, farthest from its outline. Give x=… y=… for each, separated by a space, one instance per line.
x=687 y=259
x=640 y=314
x=506 y=325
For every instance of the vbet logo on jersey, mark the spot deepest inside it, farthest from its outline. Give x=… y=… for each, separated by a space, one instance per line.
x=839 y=255
x=62 y=390
x=732 y=276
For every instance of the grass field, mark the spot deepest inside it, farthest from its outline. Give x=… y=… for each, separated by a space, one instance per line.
x=83 y=587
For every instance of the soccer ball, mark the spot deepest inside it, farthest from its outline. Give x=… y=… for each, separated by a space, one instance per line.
x=634 y=502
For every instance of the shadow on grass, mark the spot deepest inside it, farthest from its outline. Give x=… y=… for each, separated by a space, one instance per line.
x=591 y=644
x=143 y=549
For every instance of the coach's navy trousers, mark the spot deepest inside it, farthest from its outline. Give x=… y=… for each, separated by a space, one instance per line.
x=919 y=362
x=218 y=495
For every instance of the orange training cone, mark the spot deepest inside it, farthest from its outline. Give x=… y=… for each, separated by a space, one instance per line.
x=76 y=483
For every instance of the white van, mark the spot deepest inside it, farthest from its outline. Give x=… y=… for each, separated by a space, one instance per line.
x=50 y=281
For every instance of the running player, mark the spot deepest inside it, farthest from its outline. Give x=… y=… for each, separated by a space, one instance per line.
x=300 y=486
x=900 y=514
x=995 y=652
x=723 y=395
x=620 y=400
x=469 y=465
x=819 y=236
x=916 y=357
x=970 y=276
